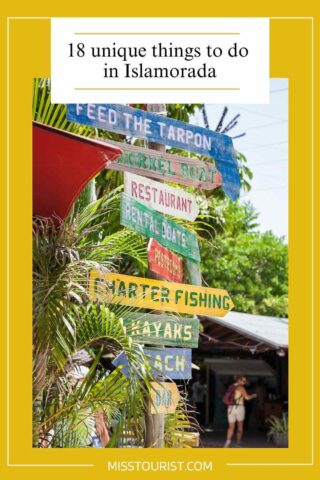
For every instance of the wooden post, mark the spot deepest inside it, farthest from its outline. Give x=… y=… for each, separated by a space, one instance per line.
x=207 y=394
x=154 y=436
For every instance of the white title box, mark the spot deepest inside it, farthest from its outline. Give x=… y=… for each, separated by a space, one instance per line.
x=160 y=60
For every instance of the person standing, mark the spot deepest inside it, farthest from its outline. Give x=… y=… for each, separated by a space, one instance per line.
x=235 y=398
x=101 y=429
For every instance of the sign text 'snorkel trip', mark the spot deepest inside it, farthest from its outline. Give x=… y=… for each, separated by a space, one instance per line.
x=150 y=126
x=166 y=166
x=162 y=329
x=158 y=295
x=174 y=363
x=161 y=197
x=139 y=217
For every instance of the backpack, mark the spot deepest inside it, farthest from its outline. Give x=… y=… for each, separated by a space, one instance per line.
x=228 y=397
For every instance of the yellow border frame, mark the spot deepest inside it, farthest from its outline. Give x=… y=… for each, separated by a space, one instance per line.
x=290 y=38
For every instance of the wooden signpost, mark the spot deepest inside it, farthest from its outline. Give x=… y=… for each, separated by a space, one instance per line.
x=162 y=329
x=142 y=207
x=173 y=363
x=167 y=131
x=135 y=215
x=161 y=197
x=164 y=263
x=164 y=397
x=158 y=295
x=155 y=424
x=166 y=166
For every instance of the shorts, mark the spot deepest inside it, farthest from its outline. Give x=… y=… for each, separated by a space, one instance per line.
x=236 y=413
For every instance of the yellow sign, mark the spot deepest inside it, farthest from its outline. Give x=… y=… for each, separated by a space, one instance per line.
x=164 y=397
x=189 y=438
x=158 y=295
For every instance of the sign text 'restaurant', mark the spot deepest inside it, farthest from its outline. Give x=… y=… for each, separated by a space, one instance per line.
x=161 y=197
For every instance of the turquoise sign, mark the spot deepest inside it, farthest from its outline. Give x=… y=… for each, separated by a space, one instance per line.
x=139 y=217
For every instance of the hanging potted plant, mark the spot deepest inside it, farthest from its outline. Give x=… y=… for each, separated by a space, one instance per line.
x=278 y=430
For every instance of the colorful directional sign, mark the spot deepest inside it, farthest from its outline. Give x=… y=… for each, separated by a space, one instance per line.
x=164 y=263
x=165 y=166
x=188 y=438
x=158 y=295
x=162 y=329
x=164 y=397
x=174 y=363
x=139 y=217
x=161 y=197
x=150 y=126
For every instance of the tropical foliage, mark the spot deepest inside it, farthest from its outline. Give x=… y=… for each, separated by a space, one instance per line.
x=70 y=332
x=251 y=265
x=277 y=425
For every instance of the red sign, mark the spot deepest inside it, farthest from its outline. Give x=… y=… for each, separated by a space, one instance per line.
x=63 y=164
x=164 y=263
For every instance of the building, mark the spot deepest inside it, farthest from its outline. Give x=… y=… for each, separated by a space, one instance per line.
x=242 y=343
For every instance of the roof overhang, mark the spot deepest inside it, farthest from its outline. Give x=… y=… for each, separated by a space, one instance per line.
x=231 y=366
x=242 y=331
x=63 y=164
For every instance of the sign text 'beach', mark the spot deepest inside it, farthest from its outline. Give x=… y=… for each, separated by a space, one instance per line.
x=174 y=363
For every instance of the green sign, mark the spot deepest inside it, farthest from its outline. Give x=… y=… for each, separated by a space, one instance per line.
x=139 y=217
x=163 y=329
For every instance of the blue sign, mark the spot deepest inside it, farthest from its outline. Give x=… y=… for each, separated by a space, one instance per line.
x=174 y=363
x=160 y=129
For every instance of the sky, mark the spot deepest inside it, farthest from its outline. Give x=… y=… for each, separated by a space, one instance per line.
x=265 y=146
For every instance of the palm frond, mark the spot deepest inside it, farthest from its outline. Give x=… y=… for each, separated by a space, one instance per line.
x=179 y=425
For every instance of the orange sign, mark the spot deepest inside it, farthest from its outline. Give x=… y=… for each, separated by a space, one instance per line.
x=164 y=397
